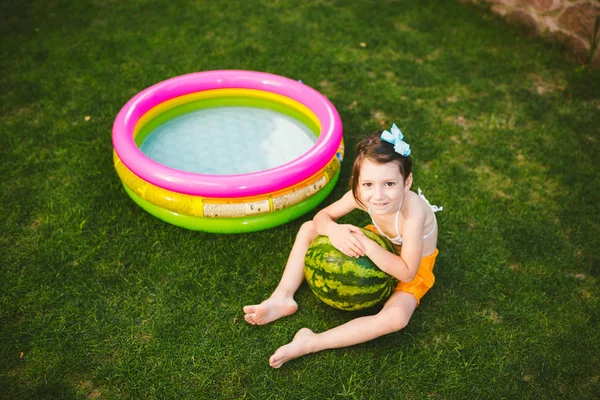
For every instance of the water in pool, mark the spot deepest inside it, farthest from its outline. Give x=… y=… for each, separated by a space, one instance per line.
x=228 y=140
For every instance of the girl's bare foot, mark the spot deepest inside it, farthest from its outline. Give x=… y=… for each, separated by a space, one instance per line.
x=298 y=347
x=269 y=310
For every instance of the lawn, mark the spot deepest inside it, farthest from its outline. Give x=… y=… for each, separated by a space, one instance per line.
x=100 y=300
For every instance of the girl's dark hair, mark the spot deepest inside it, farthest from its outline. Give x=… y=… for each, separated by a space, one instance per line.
x=381 y=152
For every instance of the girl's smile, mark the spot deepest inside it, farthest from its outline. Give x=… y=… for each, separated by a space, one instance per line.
x=381 y=186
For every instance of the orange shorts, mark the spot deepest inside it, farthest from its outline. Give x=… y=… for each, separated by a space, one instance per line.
x=424 y=279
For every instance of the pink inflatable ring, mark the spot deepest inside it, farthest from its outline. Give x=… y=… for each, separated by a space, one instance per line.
x=227 y=186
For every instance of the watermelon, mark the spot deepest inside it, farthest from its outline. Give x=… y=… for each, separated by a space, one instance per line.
x=343 y=282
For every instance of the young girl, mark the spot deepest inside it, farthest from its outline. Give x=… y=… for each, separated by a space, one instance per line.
x=380 y=183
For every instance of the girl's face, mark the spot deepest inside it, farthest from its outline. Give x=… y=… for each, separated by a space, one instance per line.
x=381 y=186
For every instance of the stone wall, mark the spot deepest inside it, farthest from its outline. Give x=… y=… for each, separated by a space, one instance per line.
x=568 y=22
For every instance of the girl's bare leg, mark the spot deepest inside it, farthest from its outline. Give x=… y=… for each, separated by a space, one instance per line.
x=281 y=303
x=394 y=316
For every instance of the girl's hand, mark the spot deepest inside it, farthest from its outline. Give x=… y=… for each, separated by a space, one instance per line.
x=345 y=238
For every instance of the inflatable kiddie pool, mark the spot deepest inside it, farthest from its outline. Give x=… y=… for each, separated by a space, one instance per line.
x=228 y=151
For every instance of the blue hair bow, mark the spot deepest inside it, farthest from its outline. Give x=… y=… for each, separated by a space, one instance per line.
x=395 y=137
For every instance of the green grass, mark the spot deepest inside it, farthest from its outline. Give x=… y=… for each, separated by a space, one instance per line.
x=98 y=299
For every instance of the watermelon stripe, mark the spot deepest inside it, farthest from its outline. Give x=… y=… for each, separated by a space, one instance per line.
x=358 y=299
x=349 y=291
x=350 y=287
x=348 y=278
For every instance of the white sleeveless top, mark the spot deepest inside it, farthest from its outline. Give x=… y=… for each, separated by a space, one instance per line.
x=398 y=239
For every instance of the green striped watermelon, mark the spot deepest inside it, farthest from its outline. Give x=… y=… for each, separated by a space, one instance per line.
x=343 y=282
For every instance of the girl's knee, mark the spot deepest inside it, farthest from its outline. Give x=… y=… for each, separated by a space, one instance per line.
x=396 y=318
x=308 y=230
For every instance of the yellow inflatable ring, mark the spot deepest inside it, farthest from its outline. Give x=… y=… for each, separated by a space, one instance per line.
x=208 y=207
